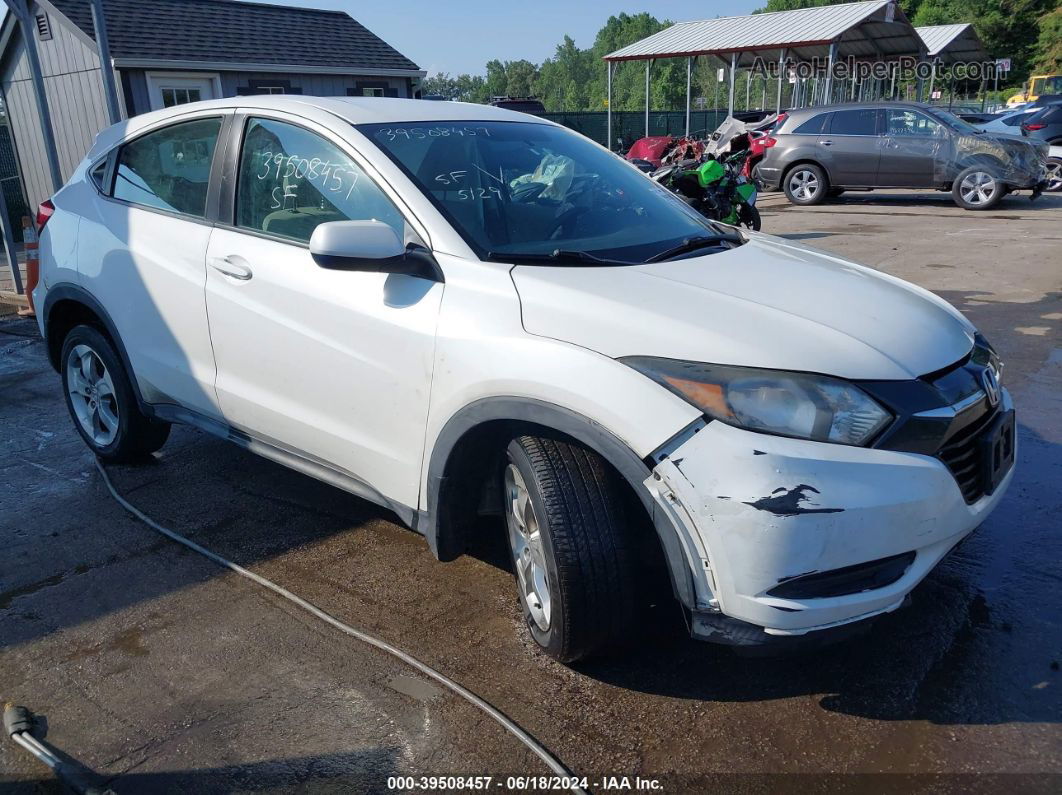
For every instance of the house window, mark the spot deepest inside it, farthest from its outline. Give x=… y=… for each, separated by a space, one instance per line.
x=271 y=85
x=372 y=92
x=180 y=96
x=44 y=27
x=269 y=90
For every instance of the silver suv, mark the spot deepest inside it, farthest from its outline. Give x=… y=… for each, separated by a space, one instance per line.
x=823 y=151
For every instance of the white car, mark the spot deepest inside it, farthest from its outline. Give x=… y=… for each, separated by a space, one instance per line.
x=1009 y=122
x=462 y=310
x=1054 y=169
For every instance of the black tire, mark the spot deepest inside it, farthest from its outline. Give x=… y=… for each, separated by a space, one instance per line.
x=749 y=217
x=971 y=192
x=582 y=525
x=136 y=435
x=813 y=185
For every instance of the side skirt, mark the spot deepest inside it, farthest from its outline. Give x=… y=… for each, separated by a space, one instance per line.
x=286 y=456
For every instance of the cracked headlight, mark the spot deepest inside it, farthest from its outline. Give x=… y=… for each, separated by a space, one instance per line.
x=800 y=405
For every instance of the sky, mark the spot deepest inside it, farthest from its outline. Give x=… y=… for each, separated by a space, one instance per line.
x=458 y=36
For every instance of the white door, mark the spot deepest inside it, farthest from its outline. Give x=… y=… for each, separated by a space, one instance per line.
x=147 y=265
x=333 y=364
x=167 y=90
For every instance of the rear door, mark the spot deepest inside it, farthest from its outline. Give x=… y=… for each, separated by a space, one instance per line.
x=911 y=149
x=333 y=366
x=148 y=235
x=852 y=147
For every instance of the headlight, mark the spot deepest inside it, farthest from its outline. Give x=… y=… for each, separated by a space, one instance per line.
x=813 y=407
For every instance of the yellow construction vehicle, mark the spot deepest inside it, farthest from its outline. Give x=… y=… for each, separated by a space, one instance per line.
x=1035 y=87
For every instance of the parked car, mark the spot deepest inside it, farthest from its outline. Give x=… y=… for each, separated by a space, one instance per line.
x=462 y=310
x=1045 y=124
x=826 y=149
x=530 y=105
x=1009 y=122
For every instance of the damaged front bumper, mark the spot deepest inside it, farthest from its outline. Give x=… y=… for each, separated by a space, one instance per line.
x=785 y=537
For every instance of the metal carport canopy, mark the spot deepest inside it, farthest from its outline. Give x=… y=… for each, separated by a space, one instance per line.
x=876 y=30
x=953 y=43
x=870 y=30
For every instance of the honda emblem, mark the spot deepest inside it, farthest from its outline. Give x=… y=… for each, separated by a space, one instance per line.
x=990 y=382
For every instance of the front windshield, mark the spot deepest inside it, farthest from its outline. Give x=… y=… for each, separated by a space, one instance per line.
x=955 y=122
x=514 y=188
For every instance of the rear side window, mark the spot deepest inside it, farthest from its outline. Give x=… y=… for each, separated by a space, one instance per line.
x=1016 y=119
x=292 y=180
x=169 y=169
x=855 y=122
x=99 y=173
x=813 y=126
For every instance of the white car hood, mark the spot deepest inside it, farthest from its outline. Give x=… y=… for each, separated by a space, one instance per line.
x=769 y=303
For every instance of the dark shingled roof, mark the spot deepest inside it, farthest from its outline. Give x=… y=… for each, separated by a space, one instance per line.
x=236 y=32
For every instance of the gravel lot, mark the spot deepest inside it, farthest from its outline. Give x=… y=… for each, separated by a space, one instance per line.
x=153 y=665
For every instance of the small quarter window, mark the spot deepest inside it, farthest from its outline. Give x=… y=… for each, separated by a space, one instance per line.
x=291 y=180
x=813 y=126
x=98 y=174
x=170 y=168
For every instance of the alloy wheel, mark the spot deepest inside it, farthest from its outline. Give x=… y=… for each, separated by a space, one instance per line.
x=804 y=184
x=525 y=541
x=92 y=395
x=978 y=188
x=1054 y=176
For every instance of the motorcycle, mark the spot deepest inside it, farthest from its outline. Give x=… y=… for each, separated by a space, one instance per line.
x=714 y=187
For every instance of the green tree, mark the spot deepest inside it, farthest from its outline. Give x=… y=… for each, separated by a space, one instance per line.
x=1049 y=43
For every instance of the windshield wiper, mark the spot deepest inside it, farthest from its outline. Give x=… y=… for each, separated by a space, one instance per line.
x=695 y=243
x=555 y=257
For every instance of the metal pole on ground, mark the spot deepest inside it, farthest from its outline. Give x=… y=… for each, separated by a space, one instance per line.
x=9 y=242
x=99 y=23
x=608 y=102
x=648 y=66
x=25 y=23
x=781 y=72
x=828 y=94
x=733 y=69
x=689 y=91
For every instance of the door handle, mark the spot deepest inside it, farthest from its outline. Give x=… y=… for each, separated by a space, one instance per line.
x=232 y=266
x=826 y=143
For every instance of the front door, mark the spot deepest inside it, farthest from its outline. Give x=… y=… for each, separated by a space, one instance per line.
x=332 y=365
x=913 y=149
x=167 y=90
x=851 y=147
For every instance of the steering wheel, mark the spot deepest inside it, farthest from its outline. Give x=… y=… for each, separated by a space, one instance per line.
x=528 y=191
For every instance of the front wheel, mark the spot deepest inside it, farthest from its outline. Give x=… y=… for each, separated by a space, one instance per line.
x=101 y=400
x=568 y=541
x=1054 y=174
x=978 y=188
x=749 y=217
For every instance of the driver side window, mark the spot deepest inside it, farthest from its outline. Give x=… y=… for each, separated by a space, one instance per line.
x=291 y=180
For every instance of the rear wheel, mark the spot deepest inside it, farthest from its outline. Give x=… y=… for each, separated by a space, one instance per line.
x=101 y=400
x=568 y=541
x=978 y=188
x=806 y=184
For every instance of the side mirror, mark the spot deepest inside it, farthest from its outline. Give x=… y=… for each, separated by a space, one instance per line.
x=370 y=246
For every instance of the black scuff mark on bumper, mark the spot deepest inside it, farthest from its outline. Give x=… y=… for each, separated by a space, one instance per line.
x=758 y=452
x=791 y=502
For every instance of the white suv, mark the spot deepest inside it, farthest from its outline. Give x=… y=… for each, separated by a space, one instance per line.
x=453 y=310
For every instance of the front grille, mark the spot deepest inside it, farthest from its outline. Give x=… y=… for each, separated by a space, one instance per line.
x=963 y=455
x=842 y=582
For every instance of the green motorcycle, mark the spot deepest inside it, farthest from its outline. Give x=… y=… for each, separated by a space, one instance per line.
x=715 y=188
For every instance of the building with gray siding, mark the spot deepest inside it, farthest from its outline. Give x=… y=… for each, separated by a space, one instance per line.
x=167 y=52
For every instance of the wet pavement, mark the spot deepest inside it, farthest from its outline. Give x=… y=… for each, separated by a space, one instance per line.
x=154 y=665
